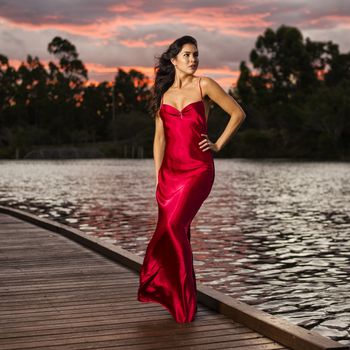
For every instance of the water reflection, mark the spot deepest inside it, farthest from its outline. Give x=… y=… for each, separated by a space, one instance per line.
x=272 y=233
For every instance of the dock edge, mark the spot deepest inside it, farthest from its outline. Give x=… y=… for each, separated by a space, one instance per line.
x=275 y=328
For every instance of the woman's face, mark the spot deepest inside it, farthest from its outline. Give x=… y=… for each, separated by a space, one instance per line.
x=187 y=59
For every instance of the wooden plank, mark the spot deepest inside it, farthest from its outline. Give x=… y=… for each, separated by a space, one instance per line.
x=158 y=339
x=215 y=324
x=56 y=293
x=51 y=306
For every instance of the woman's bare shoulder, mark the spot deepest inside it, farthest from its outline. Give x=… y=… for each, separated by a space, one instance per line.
x=207 y=85
x=207 y=81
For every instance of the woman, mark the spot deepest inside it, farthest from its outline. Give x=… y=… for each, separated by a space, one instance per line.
x=185 y=172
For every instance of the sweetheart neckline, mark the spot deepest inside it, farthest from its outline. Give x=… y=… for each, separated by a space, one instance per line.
x=166 y=104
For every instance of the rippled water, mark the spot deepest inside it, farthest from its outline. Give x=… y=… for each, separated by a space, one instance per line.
x=274 y=234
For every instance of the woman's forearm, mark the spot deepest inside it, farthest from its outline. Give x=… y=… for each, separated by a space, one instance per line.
x=158 y=154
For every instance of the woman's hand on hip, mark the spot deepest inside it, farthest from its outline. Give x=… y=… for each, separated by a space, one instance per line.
x=206 y=144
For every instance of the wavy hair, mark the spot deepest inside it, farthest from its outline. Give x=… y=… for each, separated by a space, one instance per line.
x=165 y=70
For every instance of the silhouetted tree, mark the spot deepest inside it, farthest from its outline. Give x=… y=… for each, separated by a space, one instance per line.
x=295 y=93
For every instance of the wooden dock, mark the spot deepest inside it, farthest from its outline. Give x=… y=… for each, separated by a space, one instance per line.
x=62 y=289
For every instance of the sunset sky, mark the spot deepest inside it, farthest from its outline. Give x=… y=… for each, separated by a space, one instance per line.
x=110 y=34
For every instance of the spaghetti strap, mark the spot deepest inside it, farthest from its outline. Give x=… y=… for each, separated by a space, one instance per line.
x=199 y=83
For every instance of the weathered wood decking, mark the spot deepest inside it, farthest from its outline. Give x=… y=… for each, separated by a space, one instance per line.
x=58 y=294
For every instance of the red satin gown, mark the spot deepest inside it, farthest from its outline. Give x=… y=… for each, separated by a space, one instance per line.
x=185 y=179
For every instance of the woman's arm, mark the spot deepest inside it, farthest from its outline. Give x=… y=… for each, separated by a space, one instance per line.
x=229 y=105
x=158 y=144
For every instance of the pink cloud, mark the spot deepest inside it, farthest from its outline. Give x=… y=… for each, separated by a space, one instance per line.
x=111 y=32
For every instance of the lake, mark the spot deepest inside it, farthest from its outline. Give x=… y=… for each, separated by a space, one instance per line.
x=272 y=233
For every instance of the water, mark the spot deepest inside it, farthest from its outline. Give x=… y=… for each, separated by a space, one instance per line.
x=273 y=234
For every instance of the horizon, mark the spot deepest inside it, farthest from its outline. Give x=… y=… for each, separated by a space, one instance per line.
x=113 y=35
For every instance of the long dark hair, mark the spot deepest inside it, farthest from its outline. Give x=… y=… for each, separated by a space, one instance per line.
x=165 y=70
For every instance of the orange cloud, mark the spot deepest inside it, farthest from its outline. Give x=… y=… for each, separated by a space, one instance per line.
x=133 y=43
x=224 y=76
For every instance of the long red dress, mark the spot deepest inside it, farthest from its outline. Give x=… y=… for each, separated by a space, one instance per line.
x=185 y=179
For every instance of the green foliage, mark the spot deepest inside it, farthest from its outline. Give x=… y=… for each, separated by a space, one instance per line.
x=295 y=93
x=300 y=88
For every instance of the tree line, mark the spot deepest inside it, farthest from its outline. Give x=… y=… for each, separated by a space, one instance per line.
x=295 y=92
